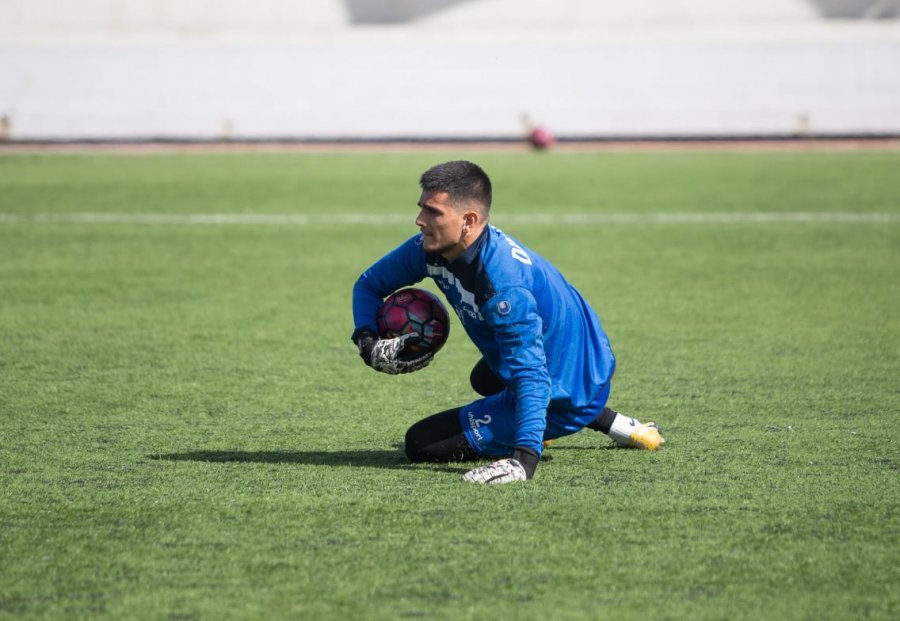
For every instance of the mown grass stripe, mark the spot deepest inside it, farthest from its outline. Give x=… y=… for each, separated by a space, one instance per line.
x=395 y=219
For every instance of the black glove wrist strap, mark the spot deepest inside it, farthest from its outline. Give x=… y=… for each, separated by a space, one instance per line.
x=365 y=340
x=365 y=333
x=528 y=458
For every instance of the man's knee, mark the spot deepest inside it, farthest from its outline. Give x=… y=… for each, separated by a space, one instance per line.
x=438 y=438
x=484 y=381
x=415 y=445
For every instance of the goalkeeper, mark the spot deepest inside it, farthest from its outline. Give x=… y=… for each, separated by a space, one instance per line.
x=546 y=362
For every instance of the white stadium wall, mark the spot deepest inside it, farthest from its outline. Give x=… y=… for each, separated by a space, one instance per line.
x=456 y=69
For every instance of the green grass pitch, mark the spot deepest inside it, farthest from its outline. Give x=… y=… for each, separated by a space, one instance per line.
x=186 y=431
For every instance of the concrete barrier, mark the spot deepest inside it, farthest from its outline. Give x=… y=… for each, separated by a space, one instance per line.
x=228 y=69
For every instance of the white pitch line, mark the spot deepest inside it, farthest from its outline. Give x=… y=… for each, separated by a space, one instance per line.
x=705 y=218
x=409 y=219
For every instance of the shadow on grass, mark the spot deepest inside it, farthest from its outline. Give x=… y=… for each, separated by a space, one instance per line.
x=362 y=458
x=605 y=447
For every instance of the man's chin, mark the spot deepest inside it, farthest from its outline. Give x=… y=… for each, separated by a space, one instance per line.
x=431 y=246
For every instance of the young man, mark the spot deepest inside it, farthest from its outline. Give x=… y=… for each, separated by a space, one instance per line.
x=546 y=363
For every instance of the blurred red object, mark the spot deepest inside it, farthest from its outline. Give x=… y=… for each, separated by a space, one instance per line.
x=541 y=138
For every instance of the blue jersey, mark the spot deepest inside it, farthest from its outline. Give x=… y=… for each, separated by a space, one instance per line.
x=533 y=328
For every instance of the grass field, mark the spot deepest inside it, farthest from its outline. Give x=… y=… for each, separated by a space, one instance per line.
x=186 y=431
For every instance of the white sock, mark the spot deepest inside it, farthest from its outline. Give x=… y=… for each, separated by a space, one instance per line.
x=622 y=428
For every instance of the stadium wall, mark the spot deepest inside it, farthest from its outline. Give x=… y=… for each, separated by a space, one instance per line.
x=331 y=70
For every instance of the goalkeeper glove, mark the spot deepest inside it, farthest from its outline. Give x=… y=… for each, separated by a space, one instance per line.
x=384 y=354
x=519 y=467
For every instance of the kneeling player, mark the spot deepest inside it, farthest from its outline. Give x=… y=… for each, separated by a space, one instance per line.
x=546 y=362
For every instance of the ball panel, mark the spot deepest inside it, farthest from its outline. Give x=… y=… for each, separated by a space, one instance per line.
x=395 y=319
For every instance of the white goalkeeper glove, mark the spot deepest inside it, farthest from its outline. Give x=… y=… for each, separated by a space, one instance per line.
x=519 y=467
x=385 y=354
x=499 y=472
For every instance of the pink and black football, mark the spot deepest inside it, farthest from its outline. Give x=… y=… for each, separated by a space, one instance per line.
x=414 y=310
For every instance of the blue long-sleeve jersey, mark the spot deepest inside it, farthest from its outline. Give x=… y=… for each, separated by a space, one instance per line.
x=532 y=327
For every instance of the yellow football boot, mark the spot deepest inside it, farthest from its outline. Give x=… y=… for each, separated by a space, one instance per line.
x=646 y=436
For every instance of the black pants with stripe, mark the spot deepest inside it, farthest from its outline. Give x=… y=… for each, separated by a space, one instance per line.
x=440 y=437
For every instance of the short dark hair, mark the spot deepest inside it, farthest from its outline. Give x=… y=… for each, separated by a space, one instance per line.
x=461 y=180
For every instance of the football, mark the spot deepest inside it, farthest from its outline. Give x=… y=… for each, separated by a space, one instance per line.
x=414 y=310
x=541 y=138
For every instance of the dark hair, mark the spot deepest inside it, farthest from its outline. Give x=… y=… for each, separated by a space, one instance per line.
x=461 y=180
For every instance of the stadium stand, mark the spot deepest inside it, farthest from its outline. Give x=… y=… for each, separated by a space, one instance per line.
x=447 y=69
